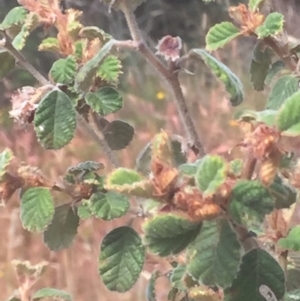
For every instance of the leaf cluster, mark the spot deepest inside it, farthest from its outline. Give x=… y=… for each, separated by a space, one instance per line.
x=212 y=218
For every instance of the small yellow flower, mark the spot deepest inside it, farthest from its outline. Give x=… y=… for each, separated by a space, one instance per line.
x=160 y=95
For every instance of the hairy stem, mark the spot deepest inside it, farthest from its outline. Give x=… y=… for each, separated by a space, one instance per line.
x=7 y=44
x=170 y=76
x=287 y=58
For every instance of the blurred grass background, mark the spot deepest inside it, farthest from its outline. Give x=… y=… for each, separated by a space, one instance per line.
x=148 y=106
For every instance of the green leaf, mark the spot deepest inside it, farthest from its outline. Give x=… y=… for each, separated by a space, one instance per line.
x=173 y=294
x=211 y=174
x=260 y=65
x=109 y=205
x=49 y=44
x=86 y=166
x=177 y=277
x=232 y=83
x=121 y=259
x=235 y=167
x=49 y=292
x=254 y=4
x=63 y=71
x=288 y=120
x=84 y=211
x=63 y=228
x=283 y=193
x=216 y=254
x=94 y=32
x=7 y=63
x=110 y=69
x=55 y=120
x=15 y=16
x=220 y=35
x=122 y=176
x=292 y=240
x=267 y=116
x=169 y=234
x=5 y=158
x=37 y=209
x=250 y=202
x=272 y=25
x=260 y=278
x=150 y=289
x=105 y=101
x=292 y=295
x=31 y=22
x=282 y=89
x=118 y=134
x=86 y=74
x=189 y=169
x=130 y=182
x=274 y=70
x=144 y=158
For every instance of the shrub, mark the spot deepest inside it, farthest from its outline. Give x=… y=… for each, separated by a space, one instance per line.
x=219 y=221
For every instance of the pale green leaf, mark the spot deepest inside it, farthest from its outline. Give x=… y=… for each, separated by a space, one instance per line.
x=89 y=70
x=63 y=228
x=84 y=211
x=55 y=120
x=5 y=158
x=272 y=25
x=94 y=32
x=37 y=209
x=31 y=22
x=169 y=234
x=49 y=292
x=104 y=101
x=144 y=158
x=282 y=89
x=260 y=278
x=254 y=4
x=63 y=71
x=109 y=205
x=15 y=16
x=49 y=44
x=189 y=169
x=292 y=240
x=121 y=176
x=121 y=259
x=220 y=35
x=216 y=254
x=288 y=120
x=292 y=295
x=232 y=83
x=211 y=174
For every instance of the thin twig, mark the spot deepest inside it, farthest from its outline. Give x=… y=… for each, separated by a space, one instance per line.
x=169 y=75
x=43 y=81
x=95 y=131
